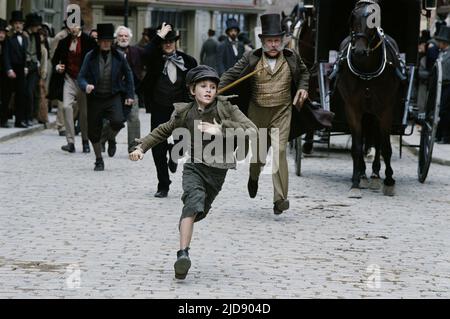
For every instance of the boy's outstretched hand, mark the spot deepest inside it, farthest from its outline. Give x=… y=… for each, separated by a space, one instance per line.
x=211 y=129
x=137 y=155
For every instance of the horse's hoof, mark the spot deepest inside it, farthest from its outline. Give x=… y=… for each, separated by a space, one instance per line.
x=355 y=193
x=375 y=184
x=389 y=190
x=364 y=183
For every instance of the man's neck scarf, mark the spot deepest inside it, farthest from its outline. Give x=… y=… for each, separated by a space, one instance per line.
x=175 y=59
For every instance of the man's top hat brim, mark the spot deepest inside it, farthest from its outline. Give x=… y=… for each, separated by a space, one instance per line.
x=442 y=39
x=269 y=35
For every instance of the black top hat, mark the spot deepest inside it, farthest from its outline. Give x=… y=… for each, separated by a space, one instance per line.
x=232 y=24
x=105 y=31
x=3 y=25
x=202 y=72
x=33 y=20
x=172 y=35
x=17 y=16
x=444 y=34
x=271 y=26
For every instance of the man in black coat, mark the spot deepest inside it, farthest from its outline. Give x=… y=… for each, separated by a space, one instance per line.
x=4 y=111
x=106 y=78
x=67 y=60
x=164 y=85
x=231 y=50
x=15 y=62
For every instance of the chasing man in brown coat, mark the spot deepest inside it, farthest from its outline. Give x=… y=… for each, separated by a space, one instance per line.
x=268 y=98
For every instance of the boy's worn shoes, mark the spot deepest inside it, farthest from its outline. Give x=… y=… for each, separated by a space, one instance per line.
x=252 y=187
x=183 y=264
x=69 y=148
x=281 y=206
x=99 y=165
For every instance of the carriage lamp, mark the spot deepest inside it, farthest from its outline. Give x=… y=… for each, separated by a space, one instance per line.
x=430 y=4
x=308 y=3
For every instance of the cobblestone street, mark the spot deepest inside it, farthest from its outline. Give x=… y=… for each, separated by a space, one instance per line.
x=60 y=222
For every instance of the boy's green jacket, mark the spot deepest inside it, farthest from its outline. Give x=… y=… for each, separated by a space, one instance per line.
x=230 y=117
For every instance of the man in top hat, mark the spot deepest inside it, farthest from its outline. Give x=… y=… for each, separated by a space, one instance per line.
x=67 y=60
x=164 y=85
x=443 y=40
x=107 y=79
x=33 y=24
x=15 y=59
x=231 y=50
x=134 y=56
x=268 y=98
x=4 y=111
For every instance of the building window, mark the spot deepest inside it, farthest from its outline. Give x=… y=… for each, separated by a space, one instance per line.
x=177 y=18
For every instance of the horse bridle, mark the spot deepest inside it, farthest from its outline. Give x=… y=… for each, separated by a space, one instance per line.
x=369 y=76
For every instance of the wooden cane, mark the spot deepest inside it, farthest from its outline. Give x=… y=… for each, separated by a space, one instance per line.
x=232 y=85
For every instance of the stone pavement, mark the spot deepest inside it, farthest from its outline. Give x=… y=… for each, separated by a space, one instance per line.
x=67 y=232
x=10 y=133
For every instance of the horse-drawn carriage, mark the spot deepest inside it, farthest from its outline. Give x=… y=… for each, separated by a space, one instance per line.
x=365 y=74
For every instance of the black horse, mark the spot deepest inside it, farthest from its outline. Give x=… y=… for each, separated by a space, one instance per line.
x=370 y=85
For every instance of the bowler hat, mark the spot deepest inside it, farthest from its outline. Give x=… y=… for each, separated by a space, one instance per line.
x=17 y=16
x=172 y=35
x=232 y=24
x=444 y=34
x=105 y=31
x=202 y=72
x=3 y=25
x=271 y=26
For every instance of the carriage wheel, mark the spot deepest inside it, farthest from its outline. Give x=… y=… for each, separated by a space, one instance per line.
x=429 y=122
x=298 y=156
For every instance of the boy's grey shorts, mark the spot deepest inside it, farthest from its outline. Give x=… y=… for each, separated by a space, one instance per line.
x=201 y=185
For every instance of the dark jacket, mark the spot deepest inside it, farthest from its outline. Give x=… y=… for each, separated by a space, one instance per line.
x=299 y=71
x=135 y=59
x=225 y=55
x=122 y=76
x=15 y=55
x=155 y=66
x=208 y=55
x=62 y=51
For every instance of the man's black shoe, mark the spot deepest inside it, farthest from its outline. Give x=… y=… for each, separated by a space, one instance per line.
x=99 y=165
x=69 y=148
x=281 y=206
x=112 y=148
x=173 y=166
x=183 y=264
x=162 y=194
x=252 y=187
x=86 y=147
x=21 y=125
x=62 y=133
x=444 y=140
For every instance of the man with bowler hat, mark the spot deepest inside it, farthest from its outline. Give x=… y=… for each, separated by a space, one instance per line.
x=106 y=78
x=164 y=85
x=15 y=59
x=268 y=98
